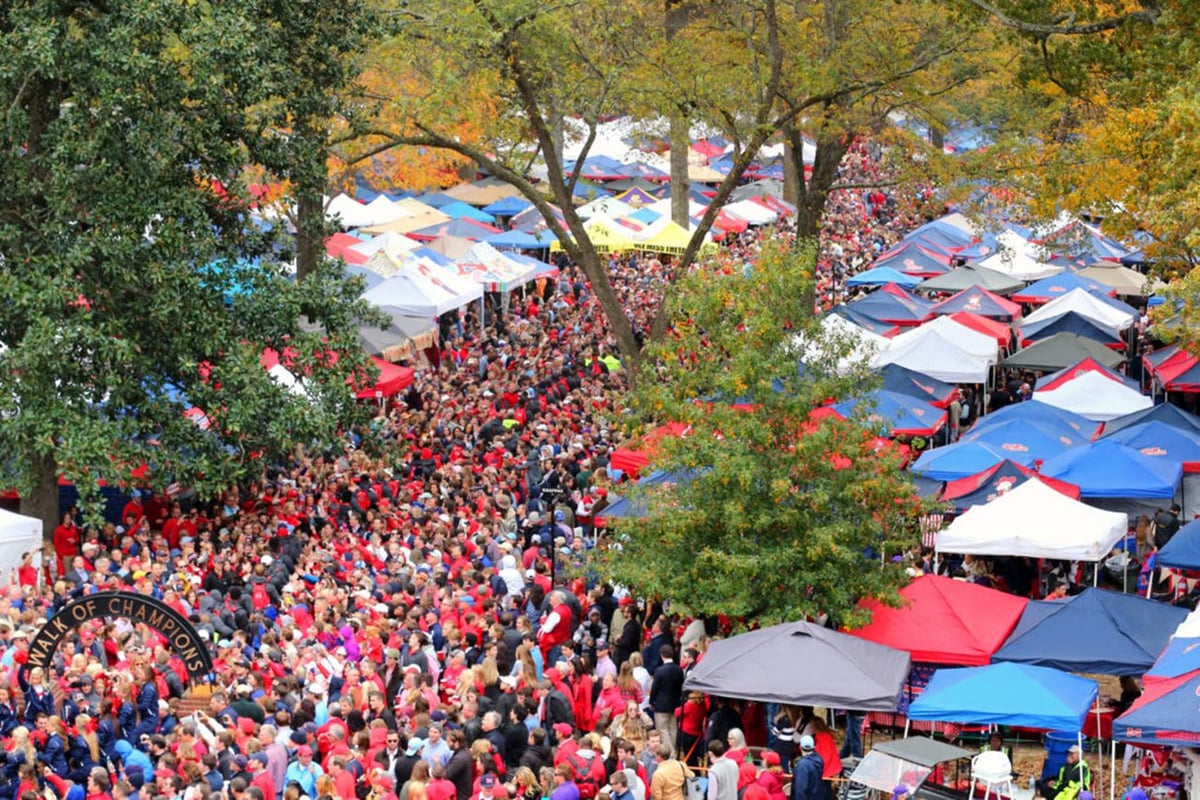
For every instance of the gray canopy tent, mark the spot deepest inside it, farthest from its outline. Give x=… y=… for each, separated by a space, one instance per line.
x=799 y=663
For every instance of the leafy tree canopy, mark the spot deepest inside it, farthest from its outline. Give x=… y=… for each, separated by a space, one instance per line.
x=774 y=516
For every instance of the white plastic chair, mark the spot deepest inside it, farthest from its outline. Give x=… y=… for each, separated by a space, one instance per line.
x=994 y=771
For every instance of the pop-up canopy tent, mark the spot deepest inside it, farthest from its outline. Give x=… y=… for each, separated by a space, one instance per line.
x=915 y=384
x=18 y=535
x=1034 y=412
x=1034 y=520
x=1160 y=440
x=958 y=460
x=893 y=304
x=894 y=414
x=1056 y=379
x=1006 y=694
x=1183 y=551
x=915 y=259
x=944 y=621
x=1095 y=396
x=1104 y=311
x=1026 y=442
x=1069 y=322
x=971 y=276
x=881 y=276
x=978 y=300
x=1096 y=632
x=1108 y=469
x=1061 y=350
x=1164 y=715
x=1052 y=288
x=1166 y=413
x=839 y=670
x=986 y=486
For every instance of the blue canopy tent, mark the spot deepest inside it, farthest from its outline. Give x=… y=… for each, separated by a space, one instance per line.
x=976 y=490
x=863 y=321
x=1160 y=440
x=520 y=240
x=1181 y=657
x=903 y=380
x=1108 y=469
x=881 y=276
x=898 y=414
x=1164 y=715
x=893 y=304
x=978 y=300
x=1027 y=441
x=958 y=460
x=941 y=235
x=1006 y=694
x=915 y=259
x=977 y=251
x=1036 y=412
x=1056 y=286
x=1097 y=632
x=437 y=199
x=507 y=206
x=1183 y=551
x=460 y=210
x=1069 y=322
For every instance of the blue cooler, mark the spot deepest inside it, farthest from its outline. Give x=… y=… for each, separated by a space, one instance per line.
x=1057 y=745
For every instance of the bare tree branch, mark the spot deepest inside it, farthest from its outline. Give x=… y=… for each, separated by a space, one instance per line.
x=1149 y=15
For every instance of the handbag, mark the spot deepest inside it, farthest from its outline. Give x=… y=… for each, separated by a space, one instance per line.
x=694 y=787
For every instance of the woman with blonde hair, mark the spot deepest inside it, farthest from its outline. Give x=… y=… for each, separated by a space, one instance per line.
x=415 y=788
x=525 y=785
x=86 y=750
x=631 y=724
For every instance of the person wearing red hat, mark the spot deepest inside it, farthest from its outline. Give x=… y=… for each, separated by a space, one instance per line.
x=770 y=780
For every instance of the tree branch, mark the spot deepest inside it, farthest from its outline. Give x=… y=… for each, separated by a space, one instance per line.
x=1149 y=15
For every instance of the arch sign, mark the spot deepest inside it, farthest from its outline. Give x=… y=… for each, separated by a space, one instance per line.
x=174 y=627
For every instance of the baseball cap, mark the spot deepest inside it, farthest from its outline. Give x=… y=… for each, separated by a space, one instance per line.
x=771 y=758
x=487 y=781
x=414 y=746
x=900 y=791
x=806 y=742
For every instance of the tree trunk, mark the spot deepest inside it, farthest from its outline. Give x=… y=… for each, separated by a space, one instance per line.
x=680 y=144
x=310 y=231
x=42 y=501
x=791 y=177
x=813 y=193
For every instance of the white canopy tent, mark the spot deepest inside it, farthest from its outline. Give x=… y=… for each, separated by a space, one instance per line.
x=964 y=338
x=419 y=289
x=1035 y=521
x=1095 y=396
x=938 y=357
x=1086 y=304
x=392 y=243
x=838 y=334
x=347 y=211
x=18 y=535
x=943 y=349
x=1019 y=263
x=609 y=207
x=754 y=213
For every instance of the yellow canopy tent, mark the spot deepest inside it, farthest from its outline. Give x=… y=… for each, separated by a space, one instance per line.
x=673 y=239
x=606 y=236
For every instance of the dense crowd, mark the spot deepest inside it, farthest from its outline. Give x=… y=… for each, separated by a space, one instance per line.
x=412 y=624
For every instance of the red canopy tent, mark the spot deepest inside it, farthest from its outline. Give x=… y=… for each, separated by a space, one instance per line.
x=393 y=379
x=944 y=621
x=1000 y=330
x=631 y=461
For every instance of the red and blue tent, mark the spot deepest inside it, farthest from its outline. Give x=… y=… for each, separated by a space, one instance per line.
x=978 y=300
x=986 y=486
x=1056 y=286
x=893 y=304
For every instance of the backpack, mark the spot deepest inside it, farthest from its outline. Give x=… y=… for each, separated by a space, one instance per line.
x=259 y=597
x=588 y=787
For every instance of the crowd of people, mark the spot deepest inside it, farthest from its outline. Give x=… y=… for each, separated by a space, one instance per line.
x=407 y=619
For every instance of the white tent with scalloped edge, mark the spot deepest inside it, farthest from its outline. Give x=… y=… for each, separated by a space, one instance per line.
x=19 y=535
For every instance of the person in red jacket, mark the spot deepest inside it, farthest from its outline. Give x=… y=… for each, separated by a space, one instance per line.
x=555 y=627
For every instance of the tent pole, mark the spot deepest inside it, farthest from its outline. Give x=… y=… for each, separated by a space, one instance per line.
x=1112 y=772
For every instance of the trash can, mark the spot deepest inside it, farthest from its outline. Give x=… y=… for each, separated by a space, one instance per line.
x=1057 y=745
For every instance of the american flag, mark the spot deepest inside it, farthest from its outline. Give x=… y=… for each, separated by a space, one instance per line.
x=930 y=525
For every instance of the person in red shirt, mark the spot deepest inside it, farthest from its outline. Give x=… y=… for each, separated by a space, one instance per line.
x=439 y=788
x=344 y=782
x=66 y=541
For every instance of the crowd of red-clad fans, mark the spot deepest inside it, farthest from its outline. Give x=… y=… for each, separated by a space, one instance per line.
x=418 y=624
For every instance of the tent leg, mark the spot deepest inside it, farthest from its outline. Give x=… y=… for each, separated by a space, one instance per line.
x=907 y=722
x=1112 y=772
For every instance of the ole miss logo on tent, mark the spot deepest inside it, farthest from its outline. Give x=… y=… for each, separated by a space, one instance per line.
x=1156 y=451
x=1014 y=447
